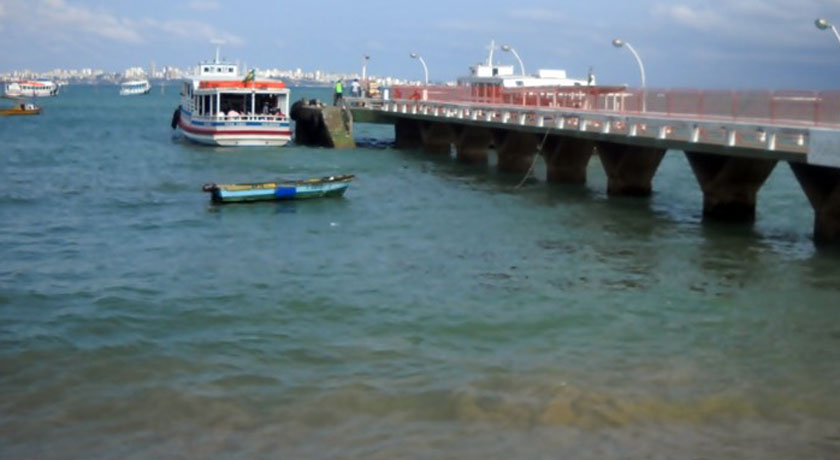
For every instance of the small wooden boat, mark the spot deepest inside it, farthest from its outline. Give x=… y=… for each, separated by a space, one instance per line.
x=22 y=109
x=281 y=190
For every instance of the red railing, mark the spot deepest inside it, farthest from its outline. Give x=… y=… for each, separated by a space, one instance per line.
x=773 y=107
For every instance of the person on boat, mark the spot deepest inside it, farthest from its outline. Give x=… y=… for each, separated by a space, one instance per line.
x=355 y=88
x=232 y=113
x=339 y=93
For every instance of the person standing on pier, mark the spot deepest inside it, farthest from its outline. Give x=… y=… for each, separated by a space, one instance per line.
x=338 y=96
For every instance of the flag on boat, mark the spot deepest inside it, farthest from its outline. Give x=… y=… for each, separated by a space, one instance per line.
x=250 y=77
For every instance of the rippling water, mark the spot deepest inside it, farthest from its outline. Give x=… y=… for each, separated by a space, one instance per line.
x=435 y=311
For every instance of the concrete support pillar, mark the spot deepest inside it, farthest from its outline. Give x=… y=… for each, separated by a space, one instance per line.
x=515 y=150
x=822 y=186
x=437 y=137
x=630 y=168
x=729 y=184
x=407 y=134
x=471 y=144
x=566 y=159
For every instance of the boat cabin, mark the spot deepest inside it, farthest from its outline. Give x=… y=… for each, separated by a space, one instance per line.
x=218 y=90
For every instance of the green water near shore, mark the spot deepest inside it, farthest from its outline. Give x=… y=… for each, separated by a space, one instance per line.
x=435 y=311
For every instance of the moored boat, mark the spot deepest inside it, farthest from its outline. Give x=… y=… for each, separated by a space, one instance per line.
x=221 y=107
x=490 y=74
x=31 y=88
x=329 y=186
x=135 y=87
x=22 y=109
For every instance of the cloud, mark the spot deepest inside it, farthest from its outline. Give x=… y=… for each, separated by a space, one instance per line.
x=538 y=15
x=763 y=24
x=704 y=18
x=375 y=45
x=97 y=23
x=459 y=25
x=204 y=5
x=191 y=30
x=58 y=20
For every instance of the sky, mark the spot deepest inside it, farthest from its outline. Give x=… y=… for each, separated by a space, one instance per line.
x=737 y=44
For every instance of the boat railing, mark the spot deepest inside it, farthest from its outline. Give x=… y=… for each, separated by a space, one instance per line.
x=254 y=117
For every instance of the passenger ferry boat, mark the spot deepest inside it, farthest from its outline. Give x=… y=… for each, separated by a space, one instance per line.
x=31 y=88
x=220 y=106
x=135 y=87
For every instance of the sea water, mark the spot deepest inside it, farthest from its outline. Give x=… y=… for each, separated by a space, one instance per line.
x=435 y=311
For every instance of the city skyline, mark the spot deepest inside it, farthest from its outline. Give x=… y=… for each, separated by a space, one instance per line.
x=728 y=44
x=89 y=75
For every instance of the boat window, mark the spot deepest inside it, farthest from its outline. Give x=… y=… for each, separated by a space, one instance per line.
x=269 y=103
x=207 y=69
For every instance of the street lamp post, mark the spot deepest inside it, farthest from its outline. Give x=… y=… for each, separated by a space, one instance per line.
x=516 y=55
x=365 y=60
x=425 y=69
x=618 y=43
x=822 y=24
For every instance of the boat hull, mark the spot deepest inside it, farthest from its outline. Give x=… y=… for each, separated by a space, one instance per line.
x=129 y=92
x=331 y=186
x=19 y=112
x=235 y=133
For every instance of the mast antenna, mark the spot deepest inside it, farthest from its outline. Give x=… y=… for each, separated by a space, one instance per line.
x=218 y=42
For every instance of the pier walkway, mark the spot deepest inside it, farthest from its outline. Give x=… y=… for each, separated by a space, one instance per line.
x=732 y=139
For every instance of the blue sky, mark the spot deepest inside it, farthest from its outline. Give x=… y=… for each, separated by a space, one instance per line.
x=684 y=43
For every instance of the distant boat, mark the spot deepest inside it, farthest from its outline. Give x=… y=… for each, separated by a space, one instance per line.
x=135 y=87
x=489 y=76
x=22 y=109
x=330 y=186
x=31 y=88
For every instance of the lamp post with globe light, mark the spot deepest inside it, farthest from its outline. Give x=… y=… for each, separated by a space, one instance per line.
x=619 y=43
x=510 y=49
x=365 y=60
x=822 y=24
x=425 y=69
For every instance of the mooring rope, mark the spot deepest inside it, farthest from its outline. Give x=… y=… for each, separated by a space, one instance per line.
x=533 y=163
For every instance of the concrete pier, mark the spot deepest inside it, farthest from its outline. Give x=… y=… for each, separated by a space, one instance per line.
x=732 y=148
x=567 y=158
x=320 y=126
x=515 y=150
x=472 y=144
x=408 y=134
x=630 y=168
x=729 y=184
x=822 y=187
x=437 y=137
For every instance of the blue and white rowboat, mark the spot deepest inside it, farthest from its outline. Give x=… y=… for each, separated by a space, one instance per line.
x=281 y=190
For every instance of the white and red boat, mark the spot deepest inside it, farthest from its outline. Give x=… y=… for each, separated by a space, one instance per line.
x=493 y=75
x=31 y=88
x=220 y=106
